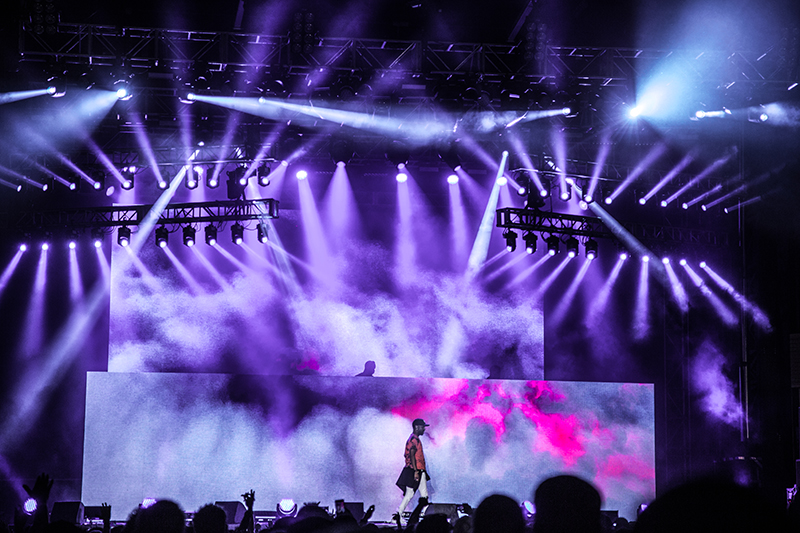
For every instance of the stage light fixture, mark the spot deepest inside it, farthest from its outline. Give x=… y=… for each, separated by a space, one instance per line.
x=572 y=246
x=566 y=192
x=645 y=259
x=162 y=237
x=211 y=235
x=608 y=200
x=57 y=87
x=193 y=177
x=511 y=239
x=401 y=177
x=72 y=245
x=123 y=90
x=452 y=179
x=30 y=506
x=188 y=236
x=552 y=245
x=237 y=234
x=682 y=262
x=642 y=200
x=97 y=237
x=262 y=173
x=235 y=185
x=341 y=151
x=128 y=174
x=591 y=249
x=262 y=234
x=212 y=180
x=664 y=203
x=531 y=241
x=163 y=184
x=502 y=181
x=301 y=174
x=665 y=260
x=286 y=508
x=98 y=180
x=23 y=247
x=123 y=236
x=45 y=246
x=623 y=256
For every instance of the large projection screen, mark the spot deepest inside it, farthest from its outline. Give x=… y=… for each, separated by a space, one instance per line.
x=198 y=438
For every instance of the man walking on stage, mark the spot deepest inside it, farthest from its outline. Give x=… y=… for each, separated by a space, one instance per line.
x=414 y=475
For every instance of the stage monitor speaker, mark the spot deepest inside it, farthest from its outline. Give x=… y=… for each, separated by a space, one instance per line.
x=450 y=510
x=71 y=512
x=234 y=511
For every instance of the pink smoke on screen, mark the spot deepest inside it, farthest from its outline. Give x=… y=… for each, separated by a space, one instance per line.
x=718 y=398
x=561 y=435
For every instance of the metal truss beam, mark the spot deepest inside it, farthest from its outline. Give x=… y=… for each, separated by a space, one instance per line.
x=143 y=48
x=114 y=216
x=593 y=227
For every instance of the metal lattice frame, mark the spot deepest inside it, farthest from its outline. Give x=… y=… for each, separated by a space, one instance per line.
x=592 y=227
x=114 y=216
x=143 y=47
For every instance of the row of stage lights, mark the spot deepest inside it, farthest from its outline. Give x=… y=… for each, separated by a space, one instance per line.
x=553 y=243
x=162 y=237
x=572 y=245
x=190 y=235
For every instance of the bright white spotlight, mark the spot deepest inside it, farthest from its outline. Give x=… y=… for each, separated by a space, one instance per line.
x=452 y=179
x=665 y=260
x=642 y=201
x=608 y=200
x=72 y=245
x=700 y=114
x=122 y=93
x=162 y=185
x=502 y=180
x=703 y=264
x=704 y=207
x=684 y=205
x=645 y=259
x=543 y=193
x=565 y=196
x=23 y=247
x=45 y=246
x=96 y=185
x=635 y=111
x=588 y=198
x=682 y=262
x=401 y=177
x=663 y=203
x=301 y=174
x=623 y=256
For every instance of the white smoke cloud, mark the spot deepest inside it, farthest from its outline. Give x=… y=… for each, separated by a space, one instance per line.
x=718 y=398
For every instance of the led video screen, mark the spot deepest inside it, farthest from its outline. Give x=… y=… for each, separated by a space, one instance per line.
x=199 y=438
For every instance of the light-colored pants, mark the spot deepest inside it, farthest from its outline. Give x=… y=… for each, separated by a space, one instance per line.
x=423 y=492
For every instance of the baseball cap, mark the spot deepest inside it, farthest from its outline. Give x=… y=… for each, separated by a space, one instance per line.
x=419 y=422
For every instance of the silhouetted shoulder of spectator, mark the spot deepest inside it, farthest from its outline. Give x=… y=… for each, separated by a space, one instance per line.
x=566 y=504
x=311 y=524
x=498 y=514
x=118 y=529
x=62 y=526
x=344 y=523
x=370 y=528
x=164 y=516
x=310 y=510
x=210 y=519
x=435 y=523
x=463 y=525
x=709 y=506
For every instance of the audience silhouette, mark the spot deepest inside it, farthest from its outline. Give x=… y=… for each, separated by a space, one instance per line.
x=564 y=504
